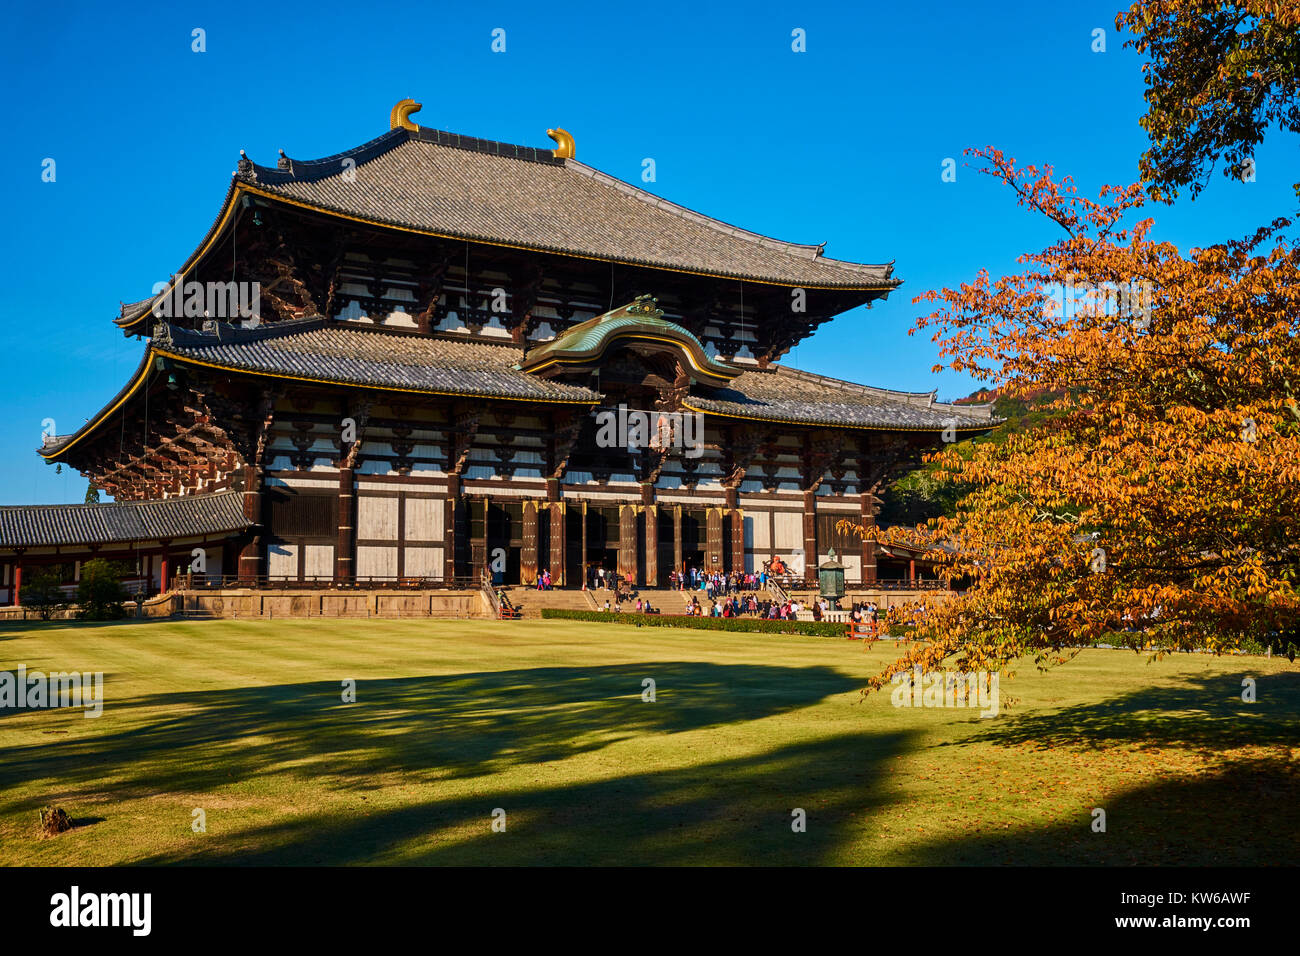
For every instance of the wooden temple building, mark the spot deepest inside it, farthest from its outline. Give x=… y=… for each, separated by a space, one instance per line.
x=439 y=323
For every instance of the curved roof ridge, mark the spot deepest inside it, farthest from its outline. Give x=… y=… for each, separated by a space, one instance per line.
x=131 y=313
x=311 y=170
x=225 y=333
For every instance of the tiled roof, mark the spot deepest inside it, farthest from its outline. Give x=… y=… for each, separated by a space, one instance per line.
x=518 y=196
x=343 y=353
x=783 y=394
x=326 y=351
x=322 y=350
x=44 y=525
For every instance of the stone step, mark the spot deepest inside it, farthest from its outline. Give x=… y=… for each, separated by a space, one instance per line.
x=531 y=601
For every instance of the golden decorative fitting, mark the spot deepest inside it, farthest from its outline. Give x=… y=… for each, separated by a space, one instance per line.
x=564 y=141
x=400 y=116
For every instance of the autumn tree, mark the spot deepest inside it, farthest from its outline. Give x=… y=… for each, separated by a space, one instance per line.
x=1219 y=74
x=1155 y=503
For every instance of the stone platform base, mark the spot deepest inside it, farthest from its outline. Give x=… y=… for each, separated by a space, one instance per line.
x=287 y=603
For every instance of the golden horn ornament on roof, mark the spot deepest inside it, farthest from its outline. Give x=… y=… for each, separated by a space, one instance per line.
x=564 y=140
x=401 y=115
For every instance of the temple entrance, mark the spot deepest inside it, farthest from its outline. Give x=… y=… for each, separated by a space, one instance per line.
x=602 y=539
x=665 y=551
x=694 y=537
x=574 y=572
x=544 y=547
x=640 y=548
x=505 y=527
x=727 y=530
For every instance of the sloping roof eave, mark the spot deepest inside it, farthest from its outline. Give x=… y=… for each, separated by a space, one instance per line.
x=122 y=522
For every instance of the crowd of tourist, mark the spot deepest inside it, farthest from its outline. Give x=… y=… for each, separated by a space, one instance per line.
x=736 y=594
x=718 y=583
x=743 y=605
x=641 y=606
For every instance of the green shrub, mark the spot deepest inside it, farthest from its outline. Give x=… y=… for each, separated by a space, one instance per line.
x=100 y=592
x=753 y=624
x=42 y=591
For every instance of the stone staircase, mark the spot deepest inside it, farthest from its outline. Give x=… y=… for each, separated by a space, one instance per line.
x=666 y=600
x=531 y=601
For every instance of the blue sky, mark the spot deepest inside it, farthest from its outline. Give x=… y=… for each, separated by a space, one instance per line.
x=841 y=144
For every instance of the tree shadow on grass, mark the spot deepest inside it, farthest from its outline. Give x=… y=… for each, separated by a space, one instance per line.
x=1241 y=814
x=727 y=812
x=441 y=726
x=1203 y=712
x=1238 y=812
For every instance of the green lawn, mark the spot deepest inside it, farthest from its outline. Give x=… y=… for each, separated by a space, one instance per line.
x=545 y=720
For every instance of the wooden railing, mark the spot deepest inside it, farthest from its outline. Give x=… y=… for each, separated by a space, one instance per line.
x=906 y=584
x=486 y=586
x=193 y=582
x=777 y=589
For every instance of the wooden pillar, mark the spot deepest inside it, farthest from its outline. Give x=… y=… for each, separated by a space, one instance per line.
x=163 y=577
x=346 y=547
x=810 y=537
x=250 y=557
x=449 y=522
x=478 y=557
x=528 y=570
x=559 y=555
x=651 y=511
x=18 y=577
x=911 y=571
x=737 y=542
x=868 y=545
x=582 y=549
x=627 y=542
x=679 y=558
x=713 y=537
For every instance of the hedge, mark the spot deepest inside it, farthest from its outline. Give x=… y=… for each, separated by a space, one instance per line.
x=760 y=625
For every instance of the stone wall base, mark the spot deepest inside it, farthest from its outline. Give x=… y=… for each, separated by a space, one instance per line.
x=282 y=603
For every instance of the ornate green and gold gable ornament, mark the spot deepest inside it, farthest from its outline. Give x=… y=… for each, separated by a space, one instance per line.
x=645 y=305
x=639 y=324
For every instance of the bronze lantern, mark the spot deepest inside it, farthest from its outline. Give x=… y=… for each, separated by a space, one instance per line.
x=831 y=575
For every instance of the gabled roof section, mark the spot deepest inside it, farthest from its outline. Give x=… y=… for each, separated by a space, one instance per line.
x=640 y=321
x=459 y=187
x=517 y=196
x=27 y=526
